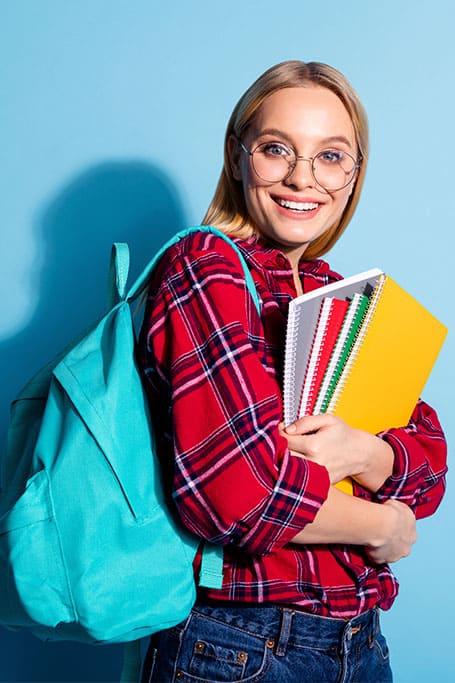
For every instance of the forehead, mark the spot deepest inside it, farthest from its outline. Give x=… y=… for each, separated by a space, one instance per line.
x=306 y=113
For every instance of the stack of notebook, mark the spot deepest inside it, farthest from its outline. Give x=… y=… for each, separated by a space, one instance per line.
x=361 y=348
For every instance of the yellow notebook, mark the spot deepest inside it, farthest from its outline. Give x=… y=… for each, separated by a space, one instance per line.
x=390 y=362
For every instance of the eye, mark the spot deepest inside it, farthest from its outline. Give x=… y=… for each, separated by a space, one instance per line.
x=333 y=156
x=274 y=150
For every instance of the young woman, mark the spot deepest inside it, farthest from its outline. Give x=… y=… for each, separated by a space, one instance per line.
x=305 y=565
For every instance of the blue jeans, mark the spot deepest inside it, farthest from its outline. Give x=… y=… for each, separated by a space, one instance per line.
x=269 y=644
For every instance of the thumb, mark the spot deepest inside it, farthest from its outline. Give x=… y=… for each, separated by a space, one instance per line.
x=308 y=424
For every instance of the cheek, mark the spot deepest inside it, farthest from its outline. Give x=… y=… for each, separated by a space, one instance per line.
x=253 y=205
x=341 y=201
x=252 y=192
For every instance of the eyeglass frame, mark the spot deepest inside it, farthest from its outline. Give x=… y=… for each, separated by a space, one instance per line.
x=292 y=166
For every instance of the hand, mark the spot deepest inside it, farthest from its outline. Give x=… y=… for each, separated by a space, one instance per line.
x=329 y=441
x=397 y=534
x=343 y=450
x=386 y=531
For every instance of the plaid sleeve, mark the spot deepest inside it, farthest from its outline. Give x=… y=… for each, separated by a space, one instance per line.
x=234 y=479
x=420 y=449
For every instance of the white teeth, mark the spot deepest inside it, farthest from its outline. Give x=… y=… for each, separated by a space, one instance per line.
x=297 y=206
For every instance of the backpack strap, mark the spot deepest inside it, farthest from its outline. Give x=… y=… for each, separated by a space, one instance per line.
x=211 y=571
x=142 y=281
x=118 y=273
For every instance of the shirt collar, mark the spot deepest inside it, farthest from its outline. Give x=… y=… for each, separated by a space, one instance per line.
x=257 y=249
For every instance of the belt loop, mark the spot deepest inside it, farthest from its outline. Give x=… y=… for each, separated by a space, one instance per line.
x=376 y=622
x=375 y=627
x=286 y=625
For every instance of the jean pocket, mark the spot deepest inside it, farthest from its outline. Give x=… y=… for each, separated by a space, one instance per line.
x=229 y=663
x=381 y=647
x=214 y=651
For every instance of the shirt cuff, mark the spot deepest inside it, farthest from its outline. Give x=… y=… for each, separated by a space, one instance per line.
x=405 y=482
x=301 y=489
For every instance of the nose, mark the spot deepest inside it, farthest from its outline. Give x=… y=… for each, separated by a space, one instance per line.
x=301 y=174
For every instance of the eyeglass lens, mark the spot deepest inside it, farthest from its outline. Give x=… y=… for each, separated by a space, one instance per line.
x=332 y=169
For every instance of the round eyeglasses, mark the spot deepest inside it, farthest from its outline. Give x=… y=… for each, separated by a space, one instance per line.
x=332 y=169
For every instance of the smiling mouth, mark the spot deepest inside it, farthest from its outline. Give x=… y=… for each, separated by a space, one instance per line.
x=296 y=206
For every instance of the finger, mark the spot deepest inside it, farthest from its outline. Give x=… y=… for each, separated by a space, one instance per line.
x=299 y=444
x=281 y=429
x=296 y=453
x=309 y=423
x=294 y=443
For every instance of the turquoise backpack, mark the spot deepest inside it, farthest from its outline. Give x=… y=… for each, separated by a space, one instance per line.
x=89 y=549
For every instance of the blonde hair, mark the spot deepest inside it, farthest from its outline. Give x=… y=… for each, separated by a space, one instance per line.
x=227 y=210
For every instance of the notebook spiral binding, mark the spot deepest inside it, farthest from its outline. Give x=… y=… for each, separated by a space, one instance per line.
x=312 y=388
x=331 y=376
x=375 y=297
x=309 y=388
x=289 y=407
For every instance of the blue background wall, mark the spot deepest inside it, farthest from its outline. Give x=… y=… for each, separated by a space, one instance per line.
x=112 y=114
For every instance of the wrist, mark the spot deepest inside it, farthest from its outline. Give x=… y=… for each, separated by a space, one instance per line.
x=364 y=448
x=376 y=462
x=382 y=526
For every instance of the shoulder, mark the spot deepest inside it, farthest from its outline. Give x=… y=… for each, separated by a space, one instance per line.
x=206 y=252
x=199 y=257
x=203 y=245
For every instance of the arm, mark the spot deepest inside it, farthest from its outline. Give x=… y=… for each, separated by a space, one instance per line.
x=419 y=468
x=406 y=464
x=343 y=450
x=386 y=531
x=204 y=354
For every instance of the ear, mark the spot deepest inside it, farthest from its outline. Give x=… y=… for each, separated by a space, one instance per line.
x=234 y=156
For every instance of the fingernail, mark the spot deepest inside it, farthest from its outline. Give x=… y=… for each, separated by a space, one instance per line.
x=291 y=429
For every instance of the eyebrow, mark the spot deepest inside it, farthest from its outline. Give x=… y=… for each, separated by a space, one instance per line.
x=329 y=140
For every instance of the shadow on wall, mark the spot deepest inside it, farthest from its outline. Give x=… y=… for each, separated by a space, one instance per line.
x=116 y=201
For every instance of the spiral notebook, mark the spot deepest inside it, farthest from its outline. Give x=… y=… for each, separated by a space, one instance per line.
x=388 y=362
x=347 y=335
x=331 y=316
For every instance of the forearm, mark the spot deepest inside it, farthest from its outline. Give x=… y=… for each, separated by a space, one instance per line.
x=344 y=519
x=386 y=531
x=420 y=463
x=378 y=463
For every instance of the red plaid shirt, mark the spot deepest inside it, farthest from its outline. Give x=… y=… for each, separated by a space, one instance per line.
x=213 y=372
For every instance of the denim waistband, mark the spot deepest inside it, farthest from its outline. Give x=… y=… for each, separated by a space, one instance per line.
x=283 y=623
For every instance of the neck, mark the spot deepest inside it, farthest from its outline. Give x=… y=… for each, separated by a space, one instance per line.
x=297 y=281
x=294 y=254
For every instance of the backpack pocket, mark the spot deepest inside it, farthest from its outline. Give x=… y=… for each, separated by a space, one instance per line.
x=34 y=589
